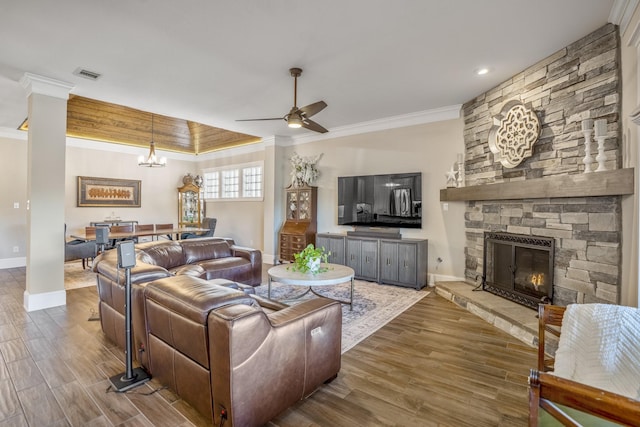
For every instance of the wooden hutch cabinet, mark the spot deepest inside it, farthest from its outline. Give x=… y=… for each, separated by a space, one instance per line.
x=299 y=228
x=189 y=206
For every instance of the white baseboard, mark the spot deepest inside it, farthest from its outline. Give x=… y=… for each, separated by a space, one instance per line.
x=443 y=278
x=13 y=262
x=268 y=258
x=44 y=300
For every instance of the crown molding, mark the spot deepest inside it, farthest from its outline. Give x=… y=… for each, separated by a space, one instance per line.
x=13 y=134
x=418 y=118
x=34 y=83
x=412 y=119
x=622 y=12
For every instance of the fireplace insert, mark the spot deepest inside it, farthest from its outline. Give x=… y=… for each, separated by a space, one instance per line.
x=519 y=267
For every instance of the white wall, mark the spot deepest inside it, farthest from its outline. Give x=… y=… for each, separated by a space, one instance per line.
x=430 y=148
x=158 y=188
x=13 y=188
x=159 y=195
x=243 y=221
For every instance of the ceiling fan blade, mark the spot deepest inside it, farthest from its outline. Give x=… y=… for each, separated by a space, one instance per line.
x=311 y=125
x=314 y=108
x=255 y=120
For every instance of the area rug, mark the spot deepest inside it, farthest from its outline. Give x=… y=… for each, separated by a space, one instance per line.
x=374 y=305
x=75 y=277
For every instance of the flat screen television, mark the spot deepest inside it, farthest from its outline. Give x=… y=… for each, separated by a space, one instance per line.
x=391 y=200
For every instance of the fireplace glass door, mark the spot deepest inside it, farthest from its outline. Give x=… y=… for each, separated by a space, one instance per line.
x=519 y=267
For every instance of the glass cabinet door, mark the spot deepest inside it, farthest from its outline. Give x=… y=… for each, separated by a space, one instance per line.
x=292 y=205
x=304 y=209
x=189 y=206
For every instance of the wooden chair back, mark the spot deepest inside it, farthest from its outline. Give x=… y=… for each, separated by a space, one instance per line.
x=90 y=233
x=122 y=228
x=547 y=391
x=165 y=227
x=549 y=322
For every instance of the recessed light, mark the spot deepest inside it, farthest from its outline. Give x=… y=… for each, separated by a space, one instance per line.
x=482 y=71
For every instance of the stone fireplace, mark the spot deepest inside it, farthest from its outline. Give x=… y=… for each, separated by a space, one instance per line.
x=548 y=195
x=519 y=267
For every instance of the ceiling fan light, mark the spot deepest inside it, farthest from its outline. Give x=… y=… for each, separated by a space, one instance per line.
x=294 y=122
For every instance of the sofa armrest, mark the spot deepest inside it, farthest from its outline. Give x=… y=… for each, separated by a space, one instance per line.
x=106 y=264
x=269 y=304
x=277 y=358
x=141 y=273
x=253 y=255
x=255 y=258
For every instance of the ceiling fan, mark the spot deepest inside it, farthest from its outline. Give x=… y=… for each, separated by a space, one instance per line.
x=299 y=117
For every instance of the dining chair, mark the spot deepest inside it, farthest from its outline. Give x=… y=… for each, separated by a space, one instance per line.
x=141 y=228
x=209 y=223
x=592 y=378
x=78 y=249
x=90 y=233
x=128 y=228
x=165 y=227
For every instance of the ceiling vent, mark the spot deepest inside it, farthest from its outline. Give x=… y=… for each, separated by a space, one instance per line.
x=91 y=75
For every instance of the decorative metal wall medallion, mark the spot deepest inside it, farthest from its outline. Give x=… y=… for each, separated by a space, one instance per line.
x=513 y=134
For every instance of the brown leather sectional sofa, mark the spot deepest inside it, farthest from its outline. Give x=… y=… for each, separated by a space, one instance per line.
x=237 y=356
x=206 y=258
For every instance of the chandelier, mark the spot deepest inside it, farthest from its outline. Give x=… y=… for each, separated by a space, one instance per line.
x=152 y=160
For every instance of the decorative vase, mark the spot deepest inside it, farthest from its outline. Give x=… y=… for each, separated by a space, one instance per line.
x=313 y=264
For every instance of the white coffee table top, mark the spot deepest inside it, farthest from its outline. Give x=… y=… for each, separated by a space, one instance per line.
x=335 y=274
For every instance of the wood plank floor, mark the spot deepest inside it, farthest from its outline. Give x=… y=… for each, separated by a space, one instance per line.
x=434 y=365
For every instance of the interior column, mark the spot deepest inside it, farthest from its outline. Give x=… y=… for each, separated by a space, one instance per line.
x=274 y=184
x=47 y=114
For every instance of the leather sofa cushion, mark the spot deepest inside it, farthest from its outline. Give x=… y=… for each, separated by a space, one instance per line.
x=189 y=270
x=220 y=268
x=197 y=251
x=167 y=255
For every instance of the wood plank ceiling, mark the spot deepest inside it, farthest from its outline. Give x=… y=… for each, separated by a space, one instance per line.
x=102 y=121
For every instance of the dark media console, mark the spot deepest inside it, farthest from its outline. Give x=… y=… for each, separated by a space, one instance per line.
x=393 y=261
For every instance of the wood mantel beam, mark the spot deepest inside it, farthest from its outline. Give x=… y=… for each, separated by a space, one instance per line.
x=606 y=183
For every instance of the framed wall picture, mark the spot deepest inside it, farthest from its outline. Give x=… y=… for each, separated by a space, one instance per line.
x=109 y=192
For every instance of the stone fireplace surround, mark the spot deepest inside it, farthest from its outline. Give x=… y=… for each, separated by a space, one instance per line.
x=580 y=81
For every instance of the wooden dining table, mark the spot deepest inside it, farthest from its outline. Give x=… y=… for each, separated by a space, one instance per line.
x=140 y=233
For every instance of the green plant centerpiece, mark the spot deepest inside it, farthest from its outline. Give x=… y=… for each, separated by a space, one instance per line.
x=309 y=260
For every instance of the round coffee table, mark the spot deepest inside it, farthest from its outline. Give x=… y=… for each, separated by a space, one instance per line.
x=334 y=275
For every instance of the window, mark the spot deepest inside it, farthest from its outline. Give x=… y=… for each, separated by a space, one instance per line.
x=238 y=182
x=230 y=184
x=252 y=181
x=212 y=185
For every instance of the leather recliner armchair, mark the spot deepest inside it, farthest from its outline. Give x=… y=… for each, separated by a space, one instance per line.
x=237 y=356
